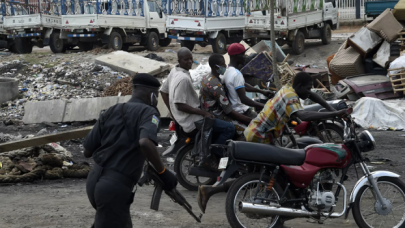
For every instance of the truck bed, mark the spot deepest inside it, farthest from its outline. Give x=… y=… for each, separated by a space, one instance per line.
x=22 y=21
x=177 y=22
x=284 y=23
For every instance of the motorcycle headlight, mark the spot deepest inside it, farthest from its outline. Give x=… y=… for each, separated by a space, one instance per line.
x=367 y=142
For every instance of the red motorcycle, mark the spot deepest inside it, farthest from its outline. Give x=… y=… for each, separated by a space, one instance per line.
x=284 y=184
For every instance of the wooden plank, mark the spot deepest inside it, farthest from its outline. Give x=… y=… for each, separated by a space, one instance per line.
x=397 y=80
x=41 y=140
x=402 y=68
x=398 y=85
x=395 y=90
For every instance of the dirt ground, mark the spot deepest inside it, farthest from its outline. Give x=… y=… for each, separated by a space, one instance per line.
x=64 y=204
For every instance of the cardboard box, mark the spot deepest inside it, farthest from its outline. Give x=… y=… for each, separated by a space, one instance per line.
x=386 y=26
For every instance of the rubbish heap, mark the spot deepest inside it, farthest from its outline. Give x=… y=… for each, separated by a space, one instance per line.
x=371 y=50
x=50 y=161
x=55 y=78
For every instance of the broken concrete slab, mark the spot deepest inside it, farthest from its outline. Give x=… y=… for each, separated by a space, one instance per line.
x=87 y=109
x=8 y=89
x=44 y=111
x=132 y=63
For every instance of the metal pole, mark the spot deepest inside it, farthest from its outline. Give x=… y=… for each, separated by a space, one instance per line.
x=357 y=9
x=273 y=46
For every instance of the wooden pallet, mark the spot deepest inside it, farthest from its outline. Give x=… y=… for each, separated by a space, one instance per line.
x=398 y=79
x=402 y=39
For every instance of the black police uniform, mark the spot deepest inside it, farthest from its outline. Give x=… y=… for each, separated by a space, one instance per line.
x=114 y=141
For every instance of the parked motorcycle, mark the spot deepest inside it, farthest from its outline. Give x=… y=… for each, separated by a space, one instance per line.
x=190 y=176
x=290 y=183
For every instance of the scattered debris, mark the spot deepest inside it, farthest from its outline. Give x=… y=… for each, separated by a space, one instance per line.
x=155 y=57
x=123 y=86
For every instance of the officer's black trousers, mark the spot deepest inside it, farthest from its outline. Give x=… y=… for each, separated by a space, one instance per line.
x=111 y=197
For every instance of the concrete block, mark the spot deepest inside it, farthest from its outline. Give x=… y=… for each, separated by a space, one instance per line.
x=87 y=109
x=8 y=89
x=44 y=111
x=132 y=64
x=164 y=112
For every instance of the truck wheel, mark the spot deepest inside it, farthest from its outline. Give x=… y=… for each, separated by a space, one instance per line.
x=115 y=41
x=219 y=45
x=326 y=34
x=56 y=43
x=165 y=42
x=23 y=45
x=298 y=43
x=153 y=41
x=85 y=46
x=188 y=44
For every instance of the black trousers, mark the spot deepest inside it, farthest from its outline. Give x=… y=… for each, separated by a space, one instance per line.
x=110 y=193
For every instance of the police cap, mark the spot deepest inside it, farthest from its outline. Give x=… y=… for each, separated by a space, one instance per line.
x=146 y=80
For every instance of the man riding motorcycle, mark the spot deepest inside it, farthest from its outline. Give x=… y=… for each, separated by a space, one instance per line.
x=271 y=120
x=214 y=99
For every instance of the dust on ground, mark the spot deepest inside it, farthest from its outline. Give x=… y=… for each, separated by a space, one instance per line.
x=63 y=203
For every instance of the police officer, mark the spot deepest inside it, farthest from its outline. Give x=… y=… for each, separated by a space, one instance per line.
x=119 y=142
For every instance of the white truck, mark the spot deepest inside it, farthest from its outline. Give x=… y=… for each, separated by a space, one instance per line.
x=117 y=23
x=221 y=22
x=22 y=26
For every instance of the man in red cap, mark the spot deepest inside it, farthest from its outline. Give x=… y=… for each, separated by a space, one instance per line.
x=236 y=86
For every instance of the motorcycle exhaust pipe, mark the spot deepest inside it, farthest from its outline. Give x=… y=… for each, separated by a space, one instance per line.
x=272 y=211
x=280 y=211
x=245 y=207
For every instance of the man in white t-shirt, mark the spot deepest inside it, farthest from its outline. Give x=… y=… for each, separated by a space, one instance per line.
x=236 y=86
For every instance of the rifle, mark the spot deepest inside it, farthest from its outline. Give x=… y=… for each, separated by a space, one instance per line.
x=150 y=175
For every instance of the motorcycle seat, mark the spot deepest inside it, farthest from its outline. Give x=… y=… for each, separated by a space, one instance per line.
x=264 y=153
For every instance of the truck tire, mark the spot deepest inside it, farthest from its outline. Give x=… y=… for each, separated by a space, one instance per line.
x=219 y=44
x=188 y=44
x=326 y=34
x=298 y=43
x=115 y=41
x=23 y=45
x=85 y=46
x=165 y=42
x=56 y=43
x=152 y=43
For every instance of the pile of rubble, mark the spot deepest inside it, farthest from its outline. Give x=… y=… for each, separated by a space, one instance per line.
x=55 y=78
x=50 y=161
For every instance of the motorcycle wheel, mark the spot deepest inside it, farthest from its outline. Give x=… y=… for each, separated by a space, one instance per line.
x=184 y=161
x=332 y=133
x=243 y=189
x=371 y=215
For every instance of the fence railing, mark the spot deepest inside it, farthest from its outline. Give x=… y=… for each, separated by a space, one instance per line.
x=347 y=9
x=12 y=8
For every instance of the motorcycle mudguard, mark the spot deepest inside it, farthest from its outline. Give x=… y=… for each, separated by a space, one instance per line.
x=188 y=146
x=228 y=172
x=364 y=181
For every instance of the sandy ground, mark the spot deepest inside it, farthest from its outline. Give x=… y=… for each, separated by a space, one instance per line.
x=64 y=203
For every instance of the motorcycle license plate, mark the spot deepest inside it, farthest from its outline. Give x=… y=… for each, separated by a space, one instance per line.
x=173 y=139
x=223 y=163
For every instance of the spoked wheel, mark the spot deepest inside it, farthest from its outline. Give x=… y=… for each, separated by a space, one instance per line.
x=331 y=133
x=184 y=161
x=368 y=212
x=244 y=190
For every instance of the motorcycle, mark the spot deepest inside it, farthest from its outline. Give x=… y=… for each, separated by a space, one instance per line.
x=190 y=176
x=291 y=183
